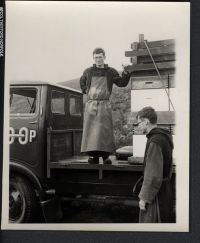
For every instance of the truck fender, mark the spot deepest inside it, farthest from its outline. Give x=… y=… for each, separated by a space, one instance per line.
x=23 y=170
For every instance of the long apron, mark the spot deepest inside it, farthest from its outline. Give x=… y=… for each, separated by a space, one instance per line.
x=98 y=126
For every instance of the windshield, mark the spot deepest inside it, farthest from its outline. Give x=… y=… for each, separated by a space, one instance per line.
x=23 y=100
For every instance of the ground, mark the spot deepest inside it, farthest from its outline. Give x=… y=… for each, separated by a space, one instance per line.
x=99 y=214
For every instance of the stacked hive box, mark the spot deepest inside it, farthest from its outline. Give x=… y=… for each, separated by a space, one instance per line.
x=147 y=87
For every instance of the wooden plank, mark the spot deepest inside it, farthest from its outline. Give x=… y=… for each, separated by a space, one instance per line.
x=80 y=166
x=152 y=44
x=152 y=82
x=144 y=73
x=77 y=142
x=147 y=59
x=154 y=51
x=134 y=60
x=150 y=66
x=133 y=160
x=134 y=45
x=164 y=118
x=73 y=143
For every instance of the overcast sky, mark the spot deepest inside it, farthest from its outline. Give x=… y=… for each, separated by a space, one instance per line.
x=53 y=41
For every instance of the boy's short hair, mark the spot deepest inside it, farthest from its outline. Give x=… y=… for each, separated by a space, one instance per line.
x=98 y=50
x=149 y=113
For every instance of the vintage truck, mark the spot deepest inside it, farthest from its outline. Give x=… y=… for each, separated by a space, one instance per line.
x=46 y=124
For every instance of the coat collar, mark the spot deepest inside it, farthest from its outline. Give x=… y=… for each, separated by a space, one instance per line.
x=105 y=67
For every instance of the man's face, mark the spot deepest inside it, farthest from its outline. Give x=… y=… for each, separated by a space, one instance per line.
x=142 y=124
x=99 y=59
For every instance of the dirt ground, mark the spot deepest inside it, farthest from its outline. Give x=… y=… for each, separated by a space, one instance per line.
x=99 y=214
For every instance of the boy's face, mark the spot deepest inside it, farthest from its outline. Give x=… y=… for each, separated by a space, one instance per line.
x=99 y=59
x=142 y=124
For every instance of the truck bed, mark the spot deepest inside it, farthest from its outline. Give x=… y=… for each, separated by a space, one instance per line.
x=81 y=162
x=75 y=176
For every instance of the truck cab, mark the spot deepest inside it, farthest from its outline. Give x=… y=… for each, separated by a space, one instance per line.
x=36 y=110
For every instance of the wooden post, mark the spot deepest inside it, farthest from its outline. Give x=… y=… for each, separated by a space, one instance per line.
x=73 y=143
x=134 y=60
x=48 y=153
x=141 y=37
x=168 y=85
x=100 y=172
x=134 y=45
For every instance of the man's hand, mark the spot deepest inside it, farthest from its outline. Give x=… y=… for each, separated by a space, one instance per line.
x=142 y=205
x=124 y=69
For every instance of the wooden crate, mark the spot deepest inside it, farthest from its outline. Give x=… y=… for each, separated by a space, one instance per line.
x=164 y=118
x=139 y=144
x=163 y=52
x=152 y=82
x=158 y=58
x=152 y=44
x=150 y=66
x=156 y=98
x=170 y=49
x=148 y=89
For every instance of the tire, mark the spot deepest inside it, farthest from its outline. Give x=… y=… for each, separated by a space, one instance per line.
x=22 y=200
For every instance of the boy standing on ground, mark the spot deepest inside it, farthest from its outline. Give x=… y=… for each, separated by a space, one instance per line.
x=156 y=198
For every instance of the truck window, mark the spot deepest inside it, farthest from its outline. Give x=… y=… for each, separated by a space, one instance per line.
x=23 y=100
x=74 y=105
x=58 y=102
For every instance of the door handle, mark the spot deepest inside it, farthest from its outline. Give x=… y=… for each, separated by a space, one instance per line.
x=33 y=122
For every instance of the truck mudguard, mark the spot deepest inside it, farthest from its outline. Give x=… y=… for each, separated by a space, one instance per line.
x=23 y=170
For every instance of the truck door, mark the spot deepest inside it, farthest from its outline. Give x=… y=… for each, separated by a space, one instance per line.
x=64 y=123
x=59 y=135
x=24 y=124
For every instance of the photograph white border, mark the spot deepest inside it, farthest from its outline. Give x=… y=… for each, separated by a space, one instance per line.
x=181 y=142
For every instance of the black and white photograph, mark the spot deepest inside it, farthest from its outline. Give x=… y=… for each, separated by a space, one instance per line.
x=96 y=116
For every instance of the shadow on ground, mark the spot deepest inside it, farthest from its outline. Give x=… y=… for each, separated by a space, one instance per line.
x=75 y=213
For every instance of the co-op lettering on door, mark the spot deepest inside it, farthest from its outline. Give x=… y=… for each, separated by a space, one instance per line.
x=24 y=136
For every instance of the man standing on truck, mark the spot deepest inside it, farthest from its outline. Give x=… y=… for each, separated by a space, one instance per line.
x=97 y=82
x=156 y=199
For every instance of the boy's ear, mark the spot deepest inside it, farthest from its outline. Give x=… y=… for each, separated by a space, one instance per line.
x=147 y=121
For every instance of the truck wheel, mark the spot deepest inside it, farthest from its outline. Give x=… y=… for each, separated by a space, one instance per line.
x=22 y=200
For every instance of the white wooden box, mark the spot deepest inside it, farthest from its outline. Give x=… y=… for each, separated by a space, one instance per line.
x=139 y=144
x=156 y=98
x=152 y=82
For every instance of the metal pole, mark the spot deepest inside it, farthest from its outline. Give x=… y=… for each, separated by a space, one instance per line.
x=158 y=72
